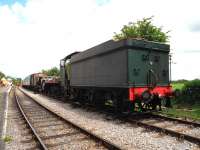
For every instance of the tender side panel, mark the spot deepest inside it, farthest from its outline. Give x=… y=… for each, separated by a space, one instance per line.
x=106 y=70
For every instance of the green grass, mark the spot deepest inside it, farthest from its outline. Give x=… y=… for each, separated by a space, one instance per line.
x=177 y=86
x=183 y=111
x=184 y=106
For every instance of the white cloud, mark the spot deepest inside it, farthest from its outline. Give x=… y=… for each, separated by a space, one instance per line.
x=38 y=34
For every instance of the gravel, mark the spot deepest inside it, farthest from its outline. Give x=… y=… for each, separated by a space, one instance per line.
x=2 y=108
x=19 y=134
x=123 y=134
x=172 y=125
x=55 y=133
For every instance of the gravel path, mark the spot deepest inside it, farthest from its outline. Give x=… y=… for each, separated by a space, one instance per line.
x=123 y=134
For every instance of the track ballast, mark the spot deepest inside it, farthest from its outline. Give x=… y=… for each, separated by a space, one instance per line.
x=54 y=132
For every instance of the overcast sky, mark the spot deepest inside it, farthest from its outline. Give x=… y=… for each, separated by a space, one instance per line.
x=36 y=34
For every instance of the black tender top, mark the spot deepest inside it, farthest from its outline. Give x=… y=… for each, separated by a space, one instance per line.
x=111 y=45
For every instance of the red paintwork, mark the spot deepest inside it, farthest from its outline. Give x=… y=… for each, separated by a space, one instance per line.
x=162 y=91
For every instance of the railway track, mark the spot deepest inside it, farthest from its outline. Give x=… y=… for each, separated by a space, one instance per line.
x=181 y=129
x=53 y=131
x=17 y=130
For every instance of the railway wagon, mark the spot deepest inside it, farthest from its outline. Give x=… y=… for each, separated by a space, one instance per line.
x=33 y=81
x=127 y=73
x=50 y=85
x=26 y=83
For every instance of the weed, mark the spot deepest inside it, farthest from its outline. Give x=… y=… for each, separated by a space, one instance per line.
x=7 y=139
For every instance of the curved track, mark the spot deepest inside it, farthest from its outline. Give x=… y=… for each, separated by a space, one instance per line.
x=53 y=131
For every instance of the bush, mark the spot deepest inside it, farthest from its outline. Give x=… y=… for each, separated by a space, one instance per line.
x=190 y=92
x=180 y=81
x=2 y=75
x=52 y=72
x=194 y=84
x=142 y=29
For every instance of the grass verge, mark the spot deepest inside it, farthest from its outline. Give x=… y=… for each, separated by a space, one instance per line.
x=177 y=86
x=183 y=111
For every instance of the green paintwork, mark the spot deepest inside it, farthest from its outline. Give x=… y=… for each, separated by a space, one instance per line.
x=141 y=61
x=137 y=68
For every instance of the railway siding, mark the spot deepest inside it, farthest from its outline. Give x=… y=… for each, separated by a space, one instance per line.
x=54 y=132
x=181 y=126
x=19 y=134
x=122 y=134
x=174 y=129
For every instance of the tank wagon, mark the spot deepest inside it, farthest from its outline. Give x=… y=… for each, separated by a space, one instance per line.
x=128 y=73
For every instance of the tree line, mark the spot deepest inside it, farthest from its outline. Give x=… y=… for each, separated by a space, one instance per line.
x=15 y=81
x=2 y=75
x=52 y=71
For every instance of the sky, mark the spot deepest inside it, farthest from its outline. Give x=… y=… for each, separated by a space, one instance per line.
x=36 y=34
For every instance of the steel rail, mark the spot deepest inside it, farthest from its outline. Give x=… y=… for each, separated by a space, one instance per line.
x=166 y=131
x=42 y=145
x=105 y=142
x=195 y=124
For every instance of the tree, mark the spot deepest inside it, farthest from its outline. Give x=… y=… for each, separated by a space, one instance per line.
x=2 y=75
x=142 y=29
x=52 y=72
x=16 y=81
